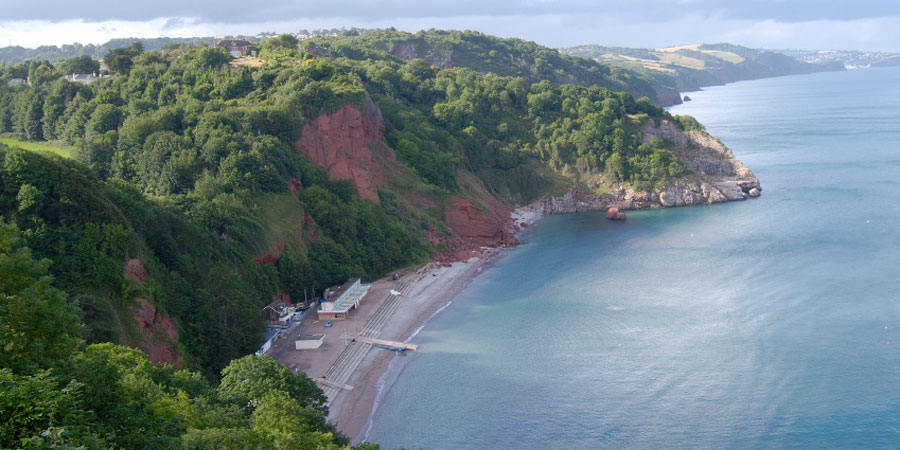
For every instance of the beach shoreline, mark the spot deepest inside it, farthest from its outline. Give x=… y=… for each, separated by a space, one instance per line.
x=352 y=412
x=432 y=287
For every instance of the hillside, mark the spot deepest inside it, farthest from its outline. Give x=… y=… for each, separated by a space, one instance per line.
x=202 y=188
x=690 y=67
x=297 y=174
x=488 y=54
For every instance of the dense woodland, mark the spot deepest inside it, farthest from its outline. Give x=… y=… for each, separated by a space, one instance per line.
x=55 y=392
x=185 y=162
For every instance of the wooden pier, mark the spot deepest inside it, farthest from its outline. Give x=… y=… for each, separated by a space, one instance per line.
x=386 y=343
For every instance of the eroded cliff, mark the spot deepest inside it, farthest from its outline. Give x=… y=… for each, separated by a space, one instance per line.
x=345 y=142
x=349 y=144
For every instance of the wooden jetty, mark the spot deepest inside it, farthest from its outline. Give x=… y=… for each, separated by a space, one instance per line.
x=383 y=342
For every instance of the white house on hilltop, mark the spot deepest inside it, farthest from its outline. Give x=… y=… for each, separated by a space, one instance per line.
x=236 y=47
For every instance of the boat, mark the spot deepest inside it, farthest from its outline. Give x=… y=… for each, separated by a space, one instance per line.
x=392 y=348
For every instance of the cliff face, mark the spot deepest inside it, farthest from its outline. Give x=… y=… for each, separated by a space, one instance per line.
x=478 y=221
x=157 y=334
x=718 y=177
x=667 y=98
x=349 y=144
x=344 y=143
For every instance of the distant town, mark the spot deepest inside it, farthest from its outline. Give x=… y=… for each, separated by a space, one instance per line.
x=852 y=59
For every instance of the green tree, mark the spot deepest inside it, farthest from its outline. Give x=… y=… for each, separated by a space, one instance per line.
x=227 y=439
x=106 y=117
x=121 y=60
x=292 y=424
x=212 y=58
x=79 y=64
x=245 y=381
x=285 y=41
x=36 y=411
x=38 y=328
x=615 y=165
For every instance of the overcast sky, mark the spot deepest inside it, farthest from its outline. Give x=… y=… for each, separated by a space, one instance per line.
x=801 y=24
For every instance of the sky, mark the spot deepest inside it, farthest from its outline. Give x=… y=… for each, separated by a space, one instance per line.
x=779 y=24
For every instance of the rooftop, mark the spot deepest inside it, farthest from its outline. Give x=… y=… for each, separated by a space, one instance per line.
x=310 y=337
x=342 y=290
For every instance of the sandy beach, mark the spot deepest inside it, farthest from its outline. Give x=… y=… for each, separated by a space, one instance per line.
x=429 y=288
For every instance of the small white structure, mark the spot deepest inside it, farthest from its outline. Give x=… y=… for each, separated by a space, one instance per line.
x=340 y=300
x=309 y=342
x=83 y=78
x=271 y=337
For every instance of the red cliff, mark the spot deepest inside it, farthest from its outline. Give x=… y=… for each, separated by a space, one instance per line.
x=343 y=143
x=484 y=222
x=349 y=144
x=158 y=333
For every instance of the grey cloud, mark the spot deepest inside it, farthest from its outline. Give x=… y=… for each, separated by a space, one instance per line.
x=241 y=11
x=174 y=23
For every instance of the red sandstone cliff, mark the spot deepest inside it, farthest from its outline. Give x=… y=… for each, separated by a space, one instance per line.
x=349 y=144
x=482 y=222
x=158 y=331
x=343 y=143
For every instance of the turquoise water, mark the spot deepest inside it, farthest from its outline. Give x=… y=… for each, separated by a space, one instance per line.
x=769 y=323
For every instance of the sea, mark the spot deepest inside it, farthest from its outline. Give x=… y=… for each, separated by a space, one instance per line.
x=768 y=323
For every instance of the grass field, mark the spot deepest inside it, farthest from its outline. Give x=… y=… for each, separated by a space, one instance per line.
x=727 y=56
x=65 y=152
x=678 y=59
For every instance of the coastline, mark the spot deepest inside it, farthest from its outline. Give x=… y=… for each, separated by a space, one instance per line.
x=356 y=372
x=434 y=287
x=433 y=291
x=428 y=290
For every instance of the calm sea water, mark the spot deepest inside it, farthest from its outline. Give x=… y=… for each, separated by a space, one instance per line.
x=769 y=323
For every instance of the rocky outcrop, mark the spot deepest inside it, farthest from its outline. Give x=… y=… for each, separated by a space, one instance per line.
x=718 y=177
x=478 y=220
x=477 y=225
x=134 y=270
x=159 y=333
x=614 y=214
x=343 y=143
x=408 y=51
x=666 y=97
